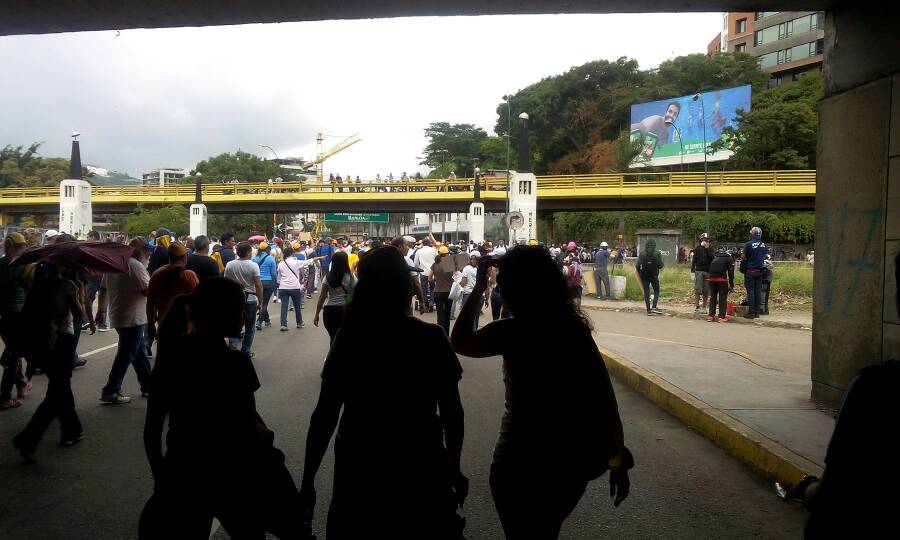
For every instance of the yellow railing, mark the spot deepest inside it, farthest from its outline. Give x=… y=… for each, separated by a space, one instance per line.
x=547 y=185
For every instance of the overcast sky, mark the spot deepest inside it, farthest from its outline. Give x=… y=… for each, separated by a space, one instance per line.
x=169 y=98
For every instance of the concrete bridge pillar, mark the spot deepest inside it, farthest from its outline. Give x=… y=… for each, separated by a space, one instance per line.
x=855 y=321
x=476 y=222
x=76 y=216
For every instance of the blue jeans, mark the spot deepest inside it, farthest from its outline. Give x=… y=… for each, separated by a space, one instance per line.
x=249 y=326
x=648 y=282
x=269 y=288
x=131 y=351
x=753 y=282
x=602 y=278
x=295 y=296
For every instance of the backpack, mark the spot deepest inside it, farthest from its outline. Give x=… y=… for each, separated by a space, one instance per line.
x=649 y=266
x=574 y=277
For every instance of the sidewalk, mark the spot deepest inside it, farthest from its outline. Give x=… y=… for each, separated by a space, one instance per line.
x=758 y=409
x=801 y=320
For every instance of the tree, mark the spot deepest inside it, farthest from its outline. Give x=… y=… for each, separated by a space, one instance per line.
x=240 y=165
x=780 y=130
x=143 y=220
x=21 y=167
x=453 y=147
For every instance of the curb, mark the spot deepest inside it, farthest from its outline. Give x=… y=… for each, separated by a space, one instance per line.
x=743 y=442
x=682 y=315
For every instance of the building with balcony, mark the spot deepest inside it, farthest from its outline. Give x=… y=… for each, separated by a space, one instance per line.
x=163 y=176
x=787 y=44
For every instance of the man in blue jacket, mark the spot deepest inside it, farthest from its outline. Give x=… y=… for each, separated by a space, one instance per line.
x=754 y=256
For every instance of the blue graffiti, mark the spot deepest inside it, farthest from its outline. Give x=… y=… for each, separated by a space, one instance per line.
x=861 y=260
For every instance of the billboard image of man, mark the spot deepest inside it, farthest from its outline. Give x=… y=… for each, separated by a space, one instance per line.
x=653 y=130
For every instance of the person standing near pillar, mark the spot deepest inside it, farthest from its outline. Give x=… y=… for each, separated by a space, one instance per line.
x=601 y=270
x=701 y=257
x=752 y=266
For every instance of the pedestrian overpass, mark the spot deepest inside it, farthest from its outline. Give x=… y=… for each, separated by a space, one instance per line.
x=757 y=190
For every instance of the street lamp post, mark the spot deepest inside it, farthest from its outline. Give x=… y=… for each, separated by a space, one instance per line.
x=270 y=148
x=698 y=97
x=680 y=140
x=274 y=217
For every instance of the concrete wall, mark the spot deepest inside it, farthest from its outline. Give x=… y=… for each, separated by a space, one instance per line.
x=855 y=322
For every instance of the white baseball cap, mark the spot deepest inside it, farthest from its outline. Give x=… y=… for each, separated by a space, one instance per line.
x=604 y=244
x=51 y=233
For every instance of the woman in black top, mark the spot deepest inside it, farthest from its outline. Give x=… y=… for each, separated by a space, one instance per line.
x=561 y=427
x=220 y=460
x=398 y=410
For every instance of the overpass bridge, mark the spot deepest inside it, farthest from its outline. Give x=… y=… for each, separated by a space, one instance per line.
x=744 y=190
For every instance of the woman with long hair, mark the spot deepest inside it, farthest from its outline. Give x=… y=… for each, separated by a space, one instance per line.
x=561 y=425
x=220 y=460
x=398 y=410
x=337 y=292
x=51 y=308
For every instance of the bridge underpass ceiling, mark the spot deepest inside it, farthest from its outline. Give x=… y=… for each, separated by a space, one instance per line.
x=50 y=16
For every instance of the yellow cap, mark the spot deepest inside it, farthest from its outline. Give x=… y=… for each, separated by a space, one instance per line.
x=295 y=246
x=443 y=250
x=263 y=245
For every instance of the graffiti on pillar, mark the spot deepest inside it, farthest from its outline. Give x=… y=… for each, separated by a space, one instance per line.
x=858 y=260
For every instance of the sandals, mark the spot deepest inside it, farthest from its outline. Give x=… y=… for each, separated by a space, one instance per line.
x=10 y=403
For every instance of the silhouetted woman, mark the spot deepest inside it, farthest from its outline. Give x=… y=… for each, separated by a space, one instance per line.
x=338 y=291
x=561 y=426
x=220 y=460
x=51 y=308
x=398 y=409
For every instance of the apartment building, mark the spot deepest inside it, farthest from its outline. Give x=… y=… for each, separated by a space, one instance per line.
x=787 y=44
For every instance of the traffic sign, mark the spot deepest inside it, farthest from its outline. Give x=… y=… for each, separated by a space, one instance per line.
x=358 y=218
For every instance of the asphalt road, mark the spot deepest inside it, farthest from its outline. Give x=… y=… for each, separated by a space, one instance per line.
x=683 y=486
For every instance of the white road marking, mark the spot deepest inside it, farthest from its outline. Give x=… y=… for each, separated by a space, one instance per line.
x=101 y=349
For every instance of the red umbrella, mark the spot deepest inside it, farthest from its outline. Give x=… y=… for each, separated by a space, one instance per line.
x=93 y=258
x=257 y=238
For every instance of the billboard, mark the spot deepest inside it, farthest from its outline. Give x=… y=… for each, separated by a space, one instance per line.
x=670 y=131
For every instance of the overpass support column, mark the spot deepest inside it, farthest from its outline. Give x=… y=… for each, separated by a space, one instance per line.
x=855 y=320
x=476 y=222
x=198 y=219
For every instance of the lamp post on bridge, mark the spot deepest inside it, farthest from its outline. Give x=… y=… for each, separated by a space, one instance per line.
x=698 y=97
x=680 y=140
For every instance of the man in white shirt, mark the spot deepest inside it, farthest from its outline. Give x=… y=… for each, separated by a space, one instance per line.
x=425 y=258
x=404 y=244
x=291 y=284
x=126 y=301
x=246 y=273
x=500 y=250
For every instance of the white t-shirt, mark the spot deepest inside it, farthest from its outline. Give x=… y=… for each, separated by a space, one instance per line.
x=425 y=259
x=243 y=271
x=469 y=273
x=127 y=303
x=289 y=272
x=499 y=251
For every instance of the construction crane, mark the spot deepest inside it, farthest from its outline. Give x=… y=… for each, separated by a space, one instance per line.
x=321 y=155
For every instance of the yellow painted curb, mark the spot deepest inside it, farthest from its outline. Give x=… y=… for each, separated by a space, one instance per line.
x=753 y=448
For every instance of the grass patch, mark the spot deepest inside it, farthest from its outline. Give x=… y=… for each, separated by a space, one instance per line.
x=792 y=286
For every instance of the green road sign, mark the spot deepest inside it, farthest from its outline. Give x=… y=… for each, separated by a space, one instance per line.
x=358 y=218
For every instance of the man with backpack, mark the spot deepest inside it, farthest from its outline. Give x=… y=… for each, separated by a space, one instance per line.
x=168 y=282
x=752 y=266
x=649 y=264
x=701 y=257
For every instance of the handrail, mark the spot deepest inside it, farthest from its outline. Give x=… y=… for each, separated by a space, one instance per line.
x=629 y=180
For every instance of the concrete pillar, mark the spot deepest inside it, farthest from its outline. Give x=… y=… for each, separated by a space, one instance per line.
x=855 y=321
x=523 y=198
x=198 y=220
x=476 y=222
x=75 y=212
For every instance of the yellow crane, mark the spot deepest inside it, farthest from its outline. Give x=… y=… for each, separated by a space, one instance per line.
x=321 y=156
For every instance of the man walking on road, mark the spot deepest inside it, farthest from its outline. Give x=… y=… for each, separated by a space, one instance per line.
x=200 y=262
x=649 y=264
x=246 y=273
x=424 y=259
x=701 y=257
x=721 y=282
x=125 y=296
x=752 y=265
x=601 y=270
x=166 y=283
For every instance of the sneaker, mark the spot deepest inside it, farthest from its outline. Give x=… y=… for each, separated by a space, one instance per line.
x=72 y=441
x=10 y=403
x=723 y=319
x=710 y=318
x=301 y=325
x=115 y=399
x=268 y=324
x=284 y=328
x=751 y=316
x=657 y=311
x=259 y=327
x=79 y=363
x=23 y=390
x=104 y=328
x=650 y=313
x=85 y=327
